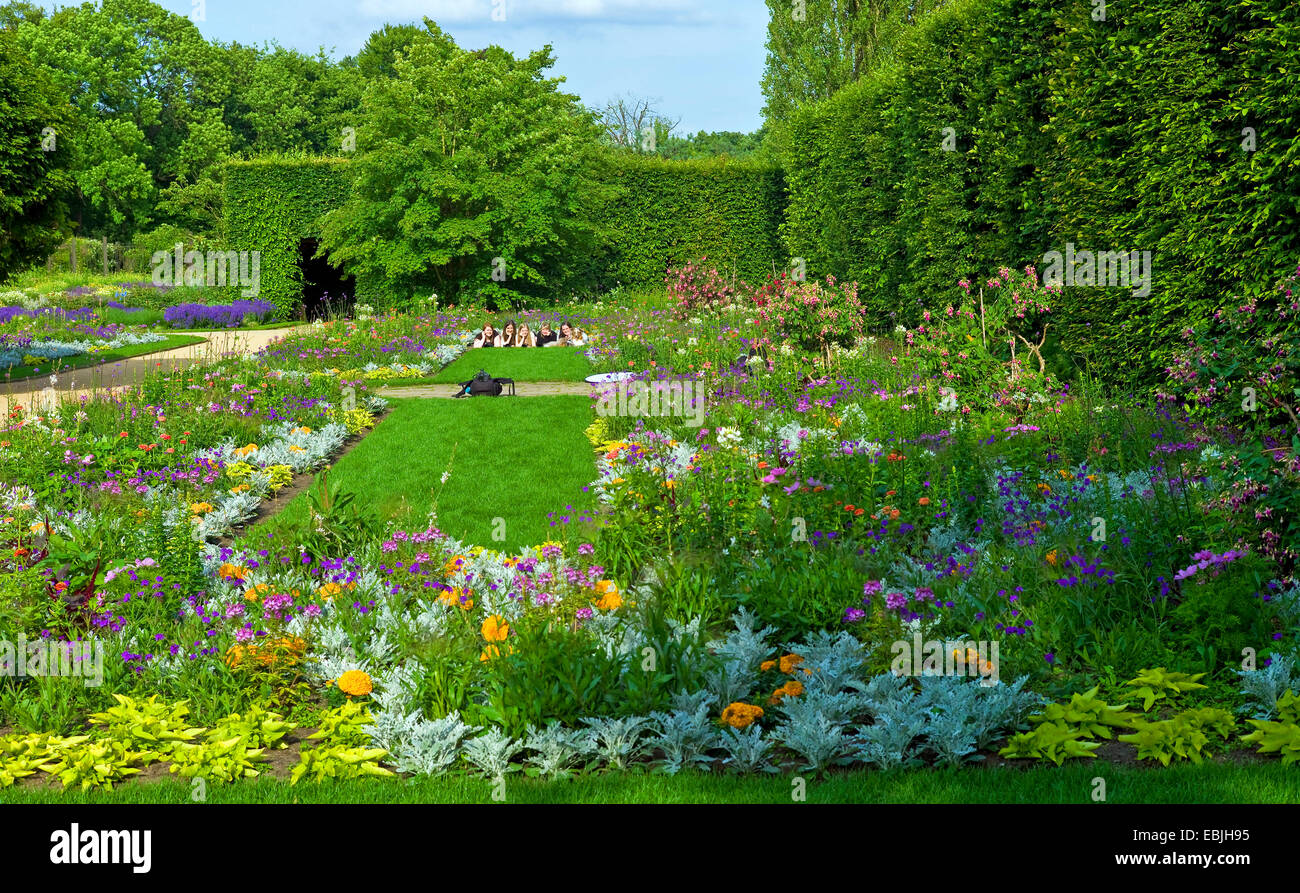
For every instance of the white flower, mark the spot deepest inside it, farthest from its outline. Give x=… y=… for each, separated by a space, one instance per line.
x=446 y=476
x=729 y=437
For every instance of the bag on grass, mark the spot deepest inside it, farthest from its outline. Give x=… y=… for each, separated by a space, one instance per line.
x=483 y=385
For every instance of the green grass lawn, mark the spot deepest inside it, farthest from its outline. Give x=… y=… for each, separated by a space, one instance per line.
x=521 y=364
x=1208 y=783
x=67 y=364
x=516 y=459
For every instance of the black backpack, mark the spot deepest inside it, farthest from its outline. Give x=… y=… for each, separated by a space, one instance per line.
x=483 y=385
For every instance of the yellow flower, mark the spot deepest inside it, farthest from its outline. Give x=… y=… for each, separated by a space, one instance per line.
x=200 y=508
x=495 y=629
x=302 y=430
x=253 y=593
x=1051 y=557
x=738 y=715
x=355 y=682
x=453 y=565
x=329 y=590
x=245 y=450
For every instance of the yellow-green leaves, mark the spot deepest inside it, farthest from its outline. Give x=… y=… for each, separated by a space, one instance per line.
x=1157 y=684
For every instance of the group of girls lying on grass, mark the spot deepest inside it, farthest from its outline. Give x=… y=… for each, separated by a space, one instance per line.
x=523 y=336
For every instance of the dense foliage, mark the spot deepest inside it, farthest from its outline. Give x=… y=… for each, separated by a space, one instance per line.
x=989 y=138
x=35 y=145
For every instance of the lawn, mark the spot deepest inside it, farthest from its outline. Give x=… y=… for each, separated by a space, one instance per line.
x=1209 y=783
x=544 y=364
x=512 y=459
x=67 y=364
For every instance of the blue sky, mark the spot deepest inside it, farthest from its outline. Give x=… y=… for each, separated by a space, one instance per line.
x=702 y=59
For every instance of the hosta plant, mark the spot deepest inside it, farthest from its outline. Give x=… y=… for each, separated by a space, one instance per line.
x=1158 y=684
x=1183 y=736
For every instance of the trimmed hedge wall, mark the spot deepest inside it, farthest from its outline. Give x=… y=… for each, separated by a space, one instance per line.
x=665 y=212
x=1115 y=135
x=670 y=212
x=274 y=202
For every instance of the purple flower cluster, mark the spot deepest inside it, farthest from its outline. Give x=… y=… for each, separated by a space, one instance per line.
x=217 y=316
x=1206 y=559
x=9 y=314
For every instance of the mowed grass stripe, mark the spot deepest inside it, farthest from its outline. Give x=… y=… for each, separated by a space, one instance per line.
x=519 y=363
x=515 y=459
x=1207 y=783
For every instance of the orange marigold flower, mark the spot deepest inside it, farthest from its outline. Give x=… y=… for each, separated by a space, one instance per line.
x=355 y=682
x=924 y=500
x=1051 y=557
x=738 y=715
x=789 y=662
x=767 y=665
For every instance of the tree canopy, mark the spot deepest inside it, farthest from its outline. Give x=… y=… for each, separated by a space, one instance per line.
x=472 y=175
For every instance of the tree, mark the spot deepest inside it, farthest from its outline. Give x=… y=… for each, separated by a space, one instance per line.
x=34 y=150
x=711 y=145
x=472 y=177
x=376 y=58
x=630 y=122
x=815 y=47
x=148 y=89
x=14 y=14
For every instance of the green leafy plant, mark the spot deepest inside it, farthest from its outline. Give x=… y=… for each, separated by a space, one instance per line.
x=1087 y=712
x=1158 y=684
x=339 y=762
x=1183 y=736
x=257 y=726
x=219 y=760
x=96 y=764
x=1281 y=736
x=159 y=727
x=346 y=724
x=1053 y=741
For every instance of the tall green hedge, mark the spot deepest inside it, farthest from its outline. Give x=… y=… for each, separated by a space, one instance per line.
x=1115 y=135
x=669 y=212
x=665 y=212
x=274 y=202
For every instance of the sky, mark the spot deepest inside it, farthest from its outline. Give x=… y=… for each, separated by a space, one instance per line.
x=702 y=60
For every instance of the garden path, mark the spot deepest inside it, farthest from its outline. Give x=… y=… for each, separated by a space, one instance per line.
x=522 y=389
x=34 y=392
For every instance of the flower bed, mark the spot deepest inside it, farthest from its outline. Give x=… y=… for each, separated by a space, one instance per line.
x=816 y=548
